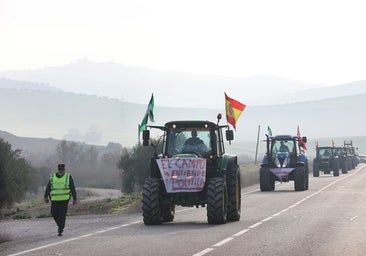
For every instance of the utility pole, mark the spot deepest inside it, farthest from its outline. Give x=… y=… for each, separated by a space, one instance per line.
x=256 y=150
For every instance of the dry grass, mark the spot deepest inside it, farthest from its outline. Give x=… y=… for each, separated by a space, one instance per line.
x=249 y=174
x=36 y=208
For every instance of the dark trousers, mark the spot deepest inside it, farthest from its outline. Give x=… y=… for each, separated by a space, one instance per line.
x=58 y=211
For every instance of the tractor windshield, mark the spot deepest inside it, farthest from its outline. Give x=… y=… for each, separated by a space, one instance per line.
x=188 y=140
x=325 y=152
x=282 y=146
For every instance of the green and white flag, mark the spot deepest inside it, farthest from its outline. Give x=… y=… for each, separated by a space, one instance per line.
x=149 y=114
x=269 y=131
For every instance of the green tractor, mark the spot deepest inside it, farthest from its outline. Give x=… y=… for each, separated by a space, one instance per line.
x=352 y=152
x=192 y=170
x=343 y=159
x=326 y=161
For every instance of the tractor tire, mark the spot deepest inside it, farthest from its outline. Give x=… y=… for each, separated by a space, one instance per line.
x=151 y=210
x=299 y=178
x=344 y=167
x=167 y=213
x=266 y=180
x=216 y=201
x=335 y=171
x=306 y=177
x=315 y=169
x=233 y=193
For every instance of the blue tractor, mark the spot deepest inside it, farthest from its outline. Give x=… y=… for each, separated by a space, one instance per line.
x=284 y=160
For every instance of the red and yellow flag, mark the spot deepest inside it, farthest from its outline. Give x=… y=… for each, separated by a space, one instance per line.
x=234 y=109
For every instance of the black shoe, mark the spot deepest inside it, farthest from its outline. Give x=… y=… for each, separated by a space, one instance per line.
x=59 y=233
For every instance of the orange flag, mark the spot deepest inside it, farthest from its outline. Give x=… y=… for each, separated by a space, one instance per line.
x=233 y=110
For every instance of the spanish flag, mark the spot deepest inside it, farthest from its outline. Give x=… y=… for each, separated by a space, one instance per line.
x=233 y=110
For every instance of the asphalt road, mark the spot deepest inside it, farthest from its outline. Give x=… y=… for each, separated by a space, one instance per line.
x=328 y=219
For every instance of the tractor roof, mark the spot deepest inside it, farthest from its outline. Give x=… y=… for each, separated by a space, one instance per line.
x=326 y=147
x=190 y=123
x=284 y=137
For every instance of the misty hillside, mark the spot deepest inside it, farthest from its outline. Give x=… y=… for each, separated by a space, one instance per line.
x=135 y=84
x=179 y=89
x=25 y=85
x=97 y=120
x=353 y=88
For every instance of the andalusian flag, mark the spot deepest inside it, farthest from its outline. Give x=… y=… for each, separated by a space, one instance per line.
x=149 y=114
x=269 y=131
x=233 y=110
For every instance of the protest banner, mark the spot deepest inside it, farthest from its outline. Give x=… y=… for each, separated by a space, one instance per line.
x=183 y=174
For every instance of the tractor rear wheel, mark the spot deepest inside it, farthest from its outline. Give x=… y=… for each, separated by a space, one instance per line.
x=315 y=169
x=167 y=213
x=234 y=193
x=299 y=178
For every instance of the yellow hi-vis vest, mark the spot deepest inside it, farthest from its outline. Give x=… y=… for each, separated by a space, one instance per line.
x=60 y=187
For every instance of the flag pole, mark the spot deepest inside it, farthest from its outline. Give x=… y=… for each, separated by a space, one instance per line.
x=256 y=150
x=138 y=134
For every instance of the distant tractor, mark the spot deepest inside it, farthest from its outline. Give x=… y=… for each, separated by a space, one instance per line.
x=284 y=160
x=343 y=159
x=352 y=151
x=326 y=161
x=192 y=169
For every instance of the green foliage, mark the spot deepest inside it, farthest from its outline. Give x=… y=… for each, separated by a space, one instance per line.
x=135 y=167
x=16 y=175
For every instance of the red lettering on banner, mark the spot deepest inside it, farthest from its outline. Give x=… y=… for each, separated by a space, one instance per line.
x=183 y=174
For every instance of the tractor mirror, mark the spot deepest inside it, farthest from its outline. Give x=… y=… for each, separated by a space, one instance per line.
x=145 y=137
x=229 y=135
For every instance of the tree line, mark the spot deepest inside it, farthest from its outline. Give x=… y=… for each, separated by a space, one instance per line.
x=16 y=175
x=113 y=167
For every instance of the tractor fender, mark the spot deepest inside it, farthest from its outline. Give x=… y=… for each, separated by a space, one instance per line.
x=265 y=161
x=303 y=159
x=226 y=161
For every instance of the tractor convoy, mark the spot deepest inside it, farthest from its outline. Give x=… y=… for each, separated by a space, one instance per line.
x=191 y=168
x=332 y=159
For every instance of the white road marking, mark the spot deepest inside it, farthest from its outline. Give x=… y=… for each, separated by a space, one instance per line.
x=74 y=239
x=242 y=232
x=352 y=219
x=255 y=225
x=222 y=242
x=203 y=252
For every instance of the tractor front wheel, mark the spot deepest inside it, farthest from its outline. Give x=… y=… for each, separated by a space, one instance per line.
x=151 y=210
x=216 y=201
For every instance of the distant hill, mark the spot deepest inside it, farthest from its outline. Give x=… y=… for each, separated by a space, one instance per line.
x=171 y=88
x=353 y=88
x=97 y=120
x=25 y=85
x=28 y=144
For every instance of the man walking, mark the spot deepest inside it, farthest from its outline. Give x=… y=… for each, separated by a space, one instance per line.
x=59 y=188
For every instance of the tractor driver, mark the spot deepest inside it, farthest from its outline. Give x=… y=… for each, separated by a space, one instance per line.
x=194 y=144
x=284 y=147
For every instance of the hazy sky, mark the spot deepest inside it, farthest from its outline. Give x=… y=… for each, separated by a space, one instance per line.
x=317 y=41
